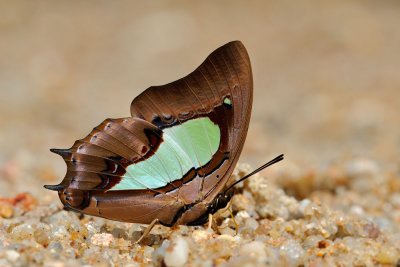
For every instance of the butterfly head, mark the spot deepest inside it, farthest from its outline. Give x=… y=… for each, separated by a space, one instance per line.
x=221 y=200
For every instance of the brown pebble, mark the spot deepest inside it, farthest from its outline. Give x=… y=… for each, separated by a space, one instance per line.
x=6 y=210
x=323 y=244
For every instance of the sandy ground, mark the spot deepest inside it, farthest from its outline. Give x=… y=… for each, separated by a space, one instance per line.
x=327 y=95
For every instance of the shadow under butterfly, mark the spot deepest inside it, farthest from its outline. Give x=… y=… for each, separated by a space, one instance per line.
x=171 y=161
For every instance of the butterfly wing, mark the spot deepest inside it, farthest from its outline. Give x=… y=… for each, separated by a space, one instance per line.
x=178 y=149
x=221 y=88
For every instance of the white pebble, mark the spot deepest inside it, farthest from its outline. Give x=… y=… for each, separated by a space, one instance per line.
x=303 y=205
x=22 y=231
x=364 y=175
x=362 y=167
x=59 y=232
x=356 y=210
x=293 y=252
x=177 y=253
x=256 y=250
x=103 y=240
x=200 y=235
x=12 y=255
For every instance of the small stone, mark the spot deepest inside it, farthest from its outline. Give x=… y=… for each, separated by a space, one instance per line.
x=255 y=249
x=103 y=240
x=55 y=247
x=387 y=256
x=251 y=223
x=24 y=201
x=324 y=243
x=41 y=233
x=199 y=235
x=177 y=253
x=22 y=231
x=364 y=175
x=243 y=202
x=303 y=205
x=372 y=230
x=223 y=245
x=59 y=232
x=92 y=227
x=356 y=210
x=147 y=253
x=6 y=210
x=312 y=241
x=293 y=252
x=12 y=255
x=242 y=215
x=119 y=233
x=158 y=254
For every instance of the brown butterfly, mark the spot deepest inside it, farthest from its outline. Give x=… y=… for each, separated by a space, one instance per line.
x=171 y=160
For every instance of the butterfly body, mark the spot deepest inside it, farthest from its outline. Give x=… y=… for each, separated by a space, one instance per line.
x=171 y=160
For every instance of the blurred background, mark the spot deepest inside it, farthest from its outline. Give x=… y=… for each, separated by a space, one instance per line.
x=326 y=75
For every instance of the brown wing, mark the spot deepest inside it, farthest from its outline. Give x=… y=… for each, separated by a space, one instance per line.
x=221 y=89
x=226 y=73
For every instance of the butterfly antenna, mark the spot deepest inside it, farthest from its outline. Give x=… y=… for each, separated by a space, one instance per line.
x=269 y=163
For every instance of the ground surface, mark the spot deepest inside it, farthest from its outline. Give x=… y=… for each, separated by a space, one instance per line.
x=327 y=95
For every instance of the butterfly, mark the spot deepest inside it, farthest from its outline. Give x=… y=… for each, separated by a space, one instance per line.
x=171 y=160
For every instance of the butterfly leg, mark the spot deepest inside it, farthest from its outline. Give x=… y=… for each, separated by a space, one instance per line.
x=234 y=221
x=147 y=231
x=210 y=221
x=229 y=209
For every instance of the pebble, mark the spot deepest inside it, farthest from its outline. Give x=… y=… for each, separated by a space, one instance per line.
x=22 y=231
x=274 y=228
x=293 y=252
x=55 y=247
x=6 y=210
x=312 y=241
x=200 y=235
x=59 y=232
x=12 y=255
x=356 y=210
x=177 y=253
x=255 y=249
x=303 y=206
x=388 y=256
x=103 y=239
x=364 y=175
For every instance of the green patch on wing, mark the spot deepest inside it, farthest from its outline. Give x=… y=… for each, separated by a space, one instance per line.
x=227 y=101
x=188 y=145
